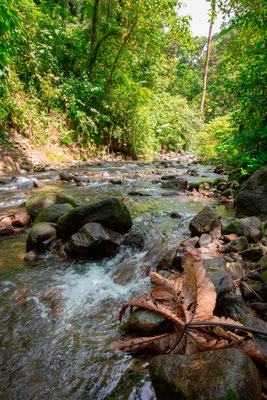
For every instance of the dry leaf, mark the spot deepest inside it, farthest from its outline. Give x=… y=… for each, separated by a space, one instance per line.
x=189 y=299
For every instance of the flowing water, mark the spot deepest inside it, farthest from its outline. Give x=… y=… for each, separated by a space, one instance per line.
x=58 y=318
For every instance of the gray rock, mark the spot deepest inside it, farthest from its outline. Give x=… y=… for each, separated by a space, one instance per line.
x=204 y=240
x=144 y=322
x=261 y=309
x=221 y=280
x=176 y=184
x=214 y=262
x=210 y=375
x=206 y=221
x=94 y=240
x=231 y=306
x=66 y=176
x=238 y=244
x=40 y=236
x=190 y=242
x=249 y=227
x=111 y=213
x=252 y=198
x=52 y=213
x=40 y=201
x=259 y=341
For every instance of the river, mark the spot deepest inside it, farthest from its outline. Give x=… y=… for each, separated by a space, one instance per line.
x=58 y=318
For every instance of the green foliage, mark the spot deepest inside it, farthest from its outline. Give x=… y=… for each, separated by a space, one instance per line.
x=244 y=79
x=212 y=139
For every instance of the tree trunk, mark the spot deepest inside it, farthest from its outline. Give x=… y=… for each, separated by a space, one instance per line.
x=94 y=32
x=213 y=5
x=107 y=85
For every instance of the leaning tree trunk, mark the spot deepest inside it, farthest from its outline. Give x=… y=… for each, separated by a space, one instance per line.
x=213 y=5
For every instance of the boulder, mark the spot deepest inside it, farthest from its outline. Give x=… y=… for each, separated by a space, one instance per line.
x=94 y=240
x=252 y=198
x=111 y=213
x=206 y=221
x=249 y=227
x=52 y=213
x=40 y=236
x=176 y=184
x=210 y=375
x=40 y=201
x=144 y=322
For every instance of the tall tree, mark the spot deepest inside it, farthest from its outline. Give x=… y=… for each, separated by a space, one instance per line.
x=212 y=18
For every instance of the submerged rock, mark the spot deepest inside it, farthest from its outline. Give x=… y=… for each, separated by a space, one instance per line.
x=40 y=236
x=94 y=240
x=52 y=213
x=252 y=198
x=111 y=213
x=40 y=201
x=206 y=221
x=210 y=375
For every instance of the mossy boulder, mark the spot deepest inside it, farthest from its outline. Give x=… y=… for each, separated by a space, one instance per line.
x=40 y=236
x=210 y=375
x=111 y=213
x=52 y=213
x=252 y=198
x=40 y=201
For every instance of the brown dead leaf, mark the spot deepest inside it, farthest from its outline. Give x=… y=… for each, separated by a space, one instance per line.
x=190 y=299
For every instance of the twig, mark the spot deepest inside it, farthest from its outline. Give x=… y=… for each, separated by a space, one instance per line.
x=225 y=325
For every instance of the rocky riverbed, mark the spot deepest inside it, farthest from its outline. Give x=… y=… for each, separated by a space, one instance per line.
x=77 y=244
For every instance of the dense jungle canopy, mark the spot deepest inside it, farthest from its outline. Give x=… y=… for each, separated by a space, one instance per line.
x=127 y=75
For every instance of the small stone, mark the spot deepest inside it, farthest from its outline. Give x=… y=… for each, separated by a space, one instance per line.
x=32 y=256
x=238 y=244
x=190 y=242
x=21 y=219
x=37 y=183
x=204 y=240
x=175 y=215
x=116 y=181
x=66 y=176
x=6 y=228
x=230 y=237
